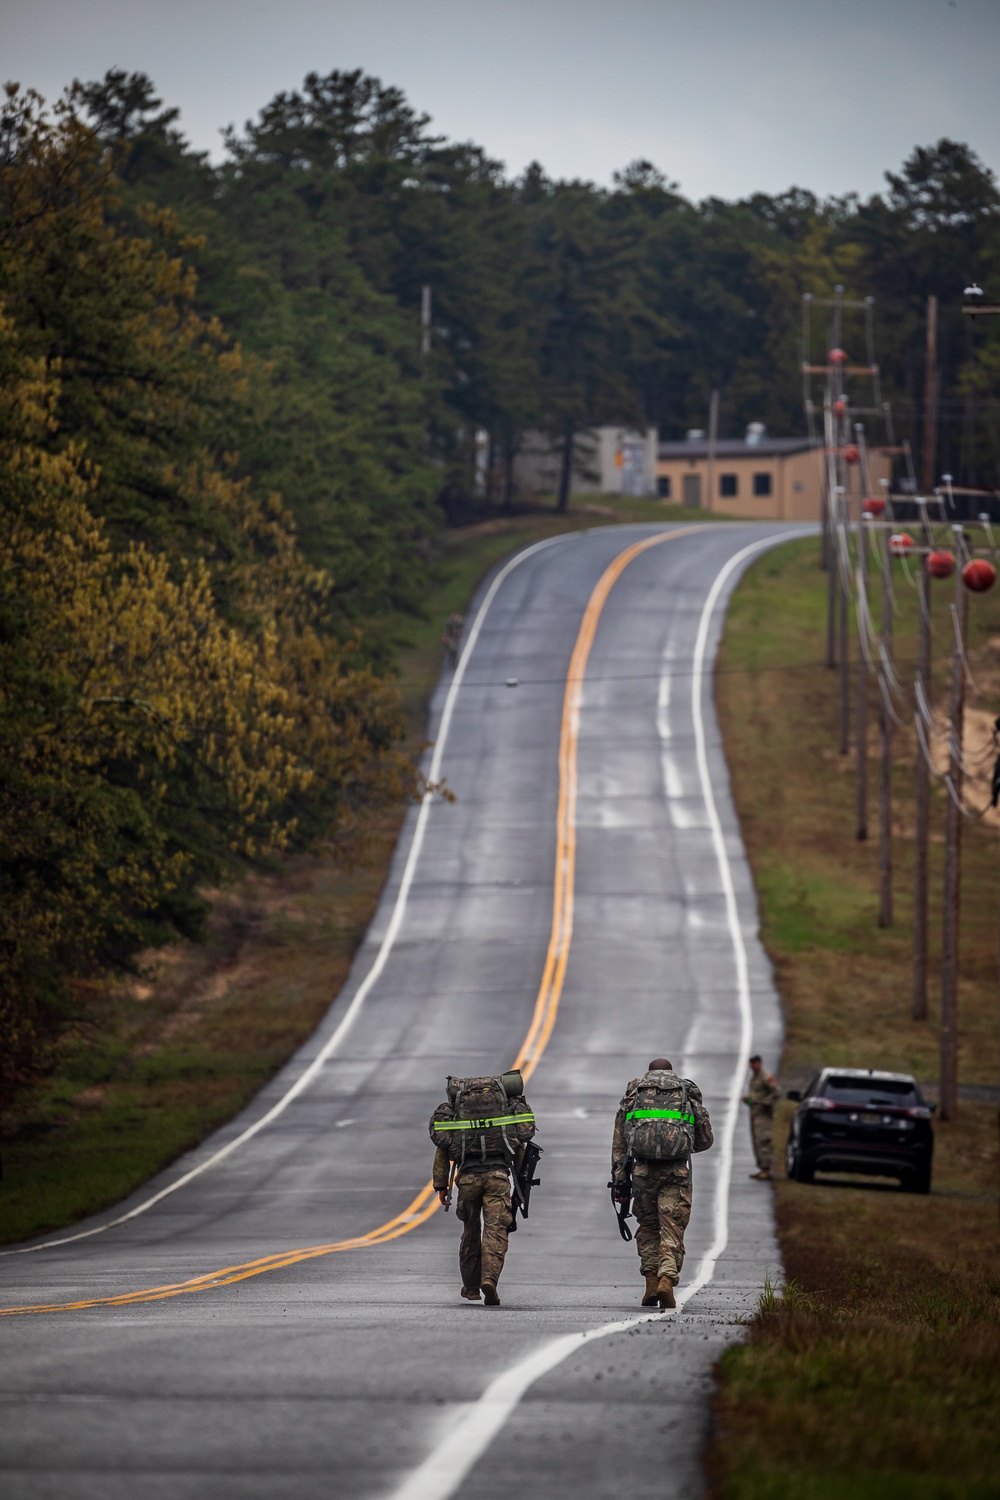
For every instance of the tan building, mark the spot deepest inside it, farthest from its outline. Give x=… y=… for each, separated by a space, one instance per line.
x=762 y=478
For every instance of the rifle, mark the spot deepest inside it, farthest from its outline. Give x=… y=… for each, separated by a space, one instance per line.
x=621 y=1206
x=524 y=1180
x=452 y=1174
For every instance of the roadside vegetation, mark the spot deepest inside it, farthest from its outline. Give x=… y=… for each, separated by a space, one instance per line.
x=878 y=1373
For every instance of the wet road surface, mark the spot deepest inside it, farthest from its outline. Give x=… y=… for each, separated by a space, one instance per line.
x=587 y=893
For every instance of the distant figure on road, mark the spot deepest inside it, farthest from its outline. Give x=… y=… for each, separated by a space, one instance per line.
x=762 y=1095
x=659 y=1123
x=452 y=638
x=481 y=1132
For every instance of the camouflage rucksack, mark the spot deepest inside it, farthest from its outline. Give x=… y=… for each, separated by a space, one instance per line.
x=484 y=1118
x=659 y=1122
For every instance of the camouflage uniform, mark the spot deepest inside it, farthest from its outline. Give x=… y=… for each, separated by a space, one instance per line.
x=762 y=1095
x=484 y=1207
x=452 y=638
x=661 y=1192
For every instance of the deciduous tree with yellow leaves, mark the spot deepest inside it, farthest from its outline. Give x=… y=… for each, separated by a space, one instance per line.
x=170 y=701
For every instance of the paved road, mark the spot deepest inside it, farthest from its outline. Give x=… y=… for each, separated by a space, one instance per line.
x=358 y=1373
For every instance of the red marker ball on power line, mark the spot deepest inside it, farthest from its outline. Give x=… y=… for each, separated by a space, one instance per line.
x=838 y=357
x=874 y=505
x=941 y=564
x=901 y=543
x=852 y=453
x=979 y=575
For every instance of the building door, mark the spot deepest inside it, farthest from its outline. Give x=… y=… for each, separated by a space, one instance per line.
x=692 y=490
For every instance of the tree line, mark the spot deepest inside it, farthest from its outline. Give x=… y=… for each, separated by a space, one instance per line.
x=225 y=451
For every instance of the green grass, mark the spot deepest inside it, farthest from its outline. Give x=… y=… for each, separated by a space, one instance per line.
x=880 y=1376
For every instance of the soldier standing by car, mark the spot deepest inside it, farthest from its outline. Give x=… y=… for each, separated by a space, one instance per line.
x=660 y=1121
x=452 y=637
x=762 y=1095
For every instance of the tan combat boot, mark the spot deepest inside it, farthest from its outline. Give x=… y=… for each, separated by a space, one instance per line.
x=665 y=1292
x=470 y=1293
x=490 y=1294
x=652 y=1283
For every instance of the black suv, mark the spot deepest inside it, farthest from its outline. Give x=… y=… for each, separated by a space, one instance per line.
x=856 y=1120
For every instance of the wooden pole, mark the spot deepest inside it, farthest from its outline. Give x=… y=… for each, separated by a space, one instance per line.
x=861 y=731
x=930 y=397
x=953 y=863
x=843 y=658
x=830 y=522
x=885 y=765
x=831 y=608
x=713 y=433
x=923 y=810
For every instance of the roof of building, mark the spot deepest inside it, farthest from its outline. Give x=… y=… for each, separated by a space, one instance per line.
x=736 y=448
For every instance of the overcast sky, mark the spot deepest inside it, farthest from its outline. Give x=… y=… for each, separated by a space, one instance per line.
x=727 y=97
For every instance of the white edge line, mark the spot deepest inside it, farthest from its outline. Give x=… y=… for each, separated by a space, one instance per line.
x=306 y=1077
x=444 y=1469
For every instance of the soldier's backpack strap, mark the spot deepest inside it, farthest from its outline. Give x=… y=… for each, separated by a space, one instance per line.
x=463 y=1135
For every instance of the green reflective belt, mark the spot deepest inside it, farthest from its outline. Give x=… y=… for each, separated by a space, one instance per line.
x=527 y=1119
x=659 y=1114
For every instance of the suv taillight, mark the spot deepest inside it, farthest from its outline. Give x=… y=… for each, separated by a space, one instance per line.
x=816 y=1102
x=917 y=1112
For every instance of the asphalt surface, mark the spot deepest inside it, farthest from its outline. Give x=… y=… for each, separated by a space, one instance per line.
x=359 y=1373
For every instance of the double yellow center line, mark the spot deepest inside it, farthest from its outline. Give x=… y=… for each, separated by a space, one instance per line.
x=546 y=1003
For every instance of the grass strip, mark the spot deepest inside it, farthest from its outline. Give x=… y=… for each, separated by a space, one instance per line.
x=878 y=1375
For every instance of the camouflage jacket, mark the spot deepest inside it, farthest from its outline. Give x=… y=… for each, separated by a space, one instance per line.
x=442 y=1167
x=498 y=1163
x=763 y=1090
x=703 y=1136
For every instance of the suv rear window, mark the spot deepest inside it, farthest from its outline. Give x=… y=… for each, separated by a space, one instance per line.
x=878 y=1091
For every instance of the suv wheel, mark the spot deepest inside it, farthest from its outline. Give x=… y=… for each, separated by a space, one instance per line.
x=919 y=1182
x=794 y=1166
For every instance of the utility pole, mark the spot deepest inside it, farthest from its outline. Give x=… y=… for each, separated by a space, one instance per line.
x=953 y=856
x=885 y=765
x=425 y=324
x=842 y=653
x=930 y=396
x=830 y=523
x=832 y=569
x=861 y=734
x=923 y=790
x=713 y=433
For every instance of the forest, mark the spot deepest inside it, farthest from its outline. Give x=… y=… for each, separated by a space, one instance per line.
x=227 y=445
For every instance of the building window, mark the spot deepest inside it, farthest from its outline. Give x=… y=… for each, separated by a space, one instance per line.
x=762 y=484
x=729 y=486
x=663 y=486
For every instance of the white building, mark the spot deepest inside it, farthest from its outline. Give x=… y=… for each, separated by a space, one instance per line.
x=606 y=461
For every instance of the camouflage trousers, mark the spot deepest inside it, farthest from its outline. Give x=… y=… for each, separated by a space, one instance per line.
x=762 y=1135
x=661 y=1201
x=484 y=1208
